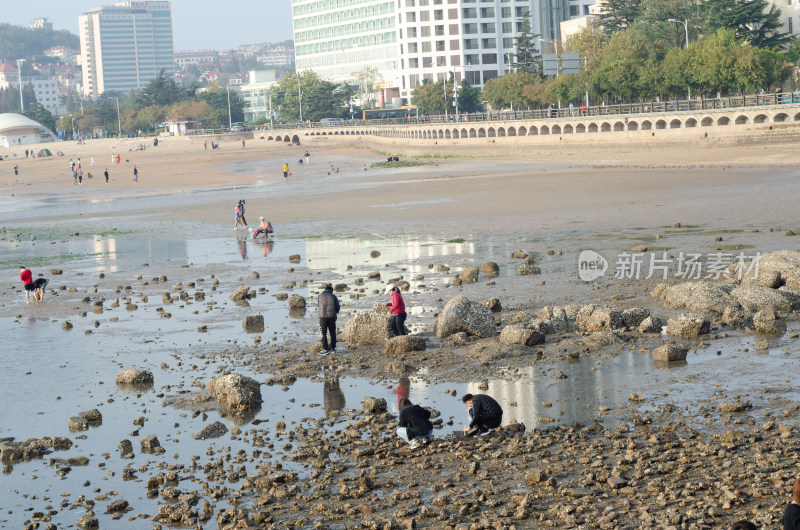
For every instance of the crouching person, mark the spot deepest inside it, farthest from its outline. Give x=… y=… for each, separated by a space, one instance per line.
x=485 y=414
x=414 y=424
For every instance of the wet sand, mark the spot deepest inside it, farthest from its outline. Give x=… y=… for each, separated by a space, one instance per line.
x=176 y=222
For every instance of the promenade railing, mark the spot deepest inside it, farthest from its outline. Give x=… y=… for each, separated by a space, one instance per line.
x=576 y=111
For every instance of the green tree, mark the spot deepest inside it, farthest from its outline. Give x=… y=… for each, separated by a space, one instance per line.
x=217 y=98
x=429 y=97
x=754 y=21
x=509 y=90
x=469 y=97
x=526 y=53
x=320 y=98
x=160 y=91
x=364 y=80
x=40 y=114
x=618 y=14
x=713 y=63
x=18 y=42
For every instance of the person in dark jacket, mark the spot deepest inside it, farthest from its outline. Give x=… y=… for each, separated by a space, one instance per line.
x=398 y=310
x=328 y=309
x=791 y=517
x=414 y=424
x=485 y=414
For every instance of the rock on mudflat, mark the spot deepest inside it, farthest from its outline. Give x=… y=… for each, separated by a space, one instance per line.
x=469 y=275
x=118 y=505
x=767 y=322
x=592 y=318
x=367 y=327
x=88 y=521
x=737 y=405
x=490 y=267
x=753 y=298
x=66 y=324
x=521 y=335
x=372 y=405
x=528 y=270
x=125 y=448
x=253 y=323
x=296 y=301
x=459 y=314
x=150 y=444
x=241 y=295
x=236 y=392
x=405 y=344
x=696 y=296
x=786 y=262
x=213 y=430
x=134 y=377
x=651 y=324
x=493 y=304
x=688 y=326
x=670 y=353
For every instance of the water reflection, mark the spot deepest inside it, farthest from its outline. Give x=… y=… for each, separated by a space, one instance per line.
x=332 y=394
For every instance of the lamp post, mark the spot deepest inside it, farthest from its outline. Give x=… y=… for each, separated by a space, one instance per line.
x=119 y=121
x=508 y=62
x=686 y=33
x=19 y=78
x=230 y=121
x=300 y=93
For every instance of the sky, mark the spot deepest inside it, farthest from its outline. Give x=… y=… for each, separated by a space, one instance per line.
x=196 y=24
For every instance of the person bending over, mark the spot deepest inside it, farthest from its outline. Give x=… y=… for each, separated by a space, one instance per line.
x=485 y=414
x=414 y=424
x=264 y=227
x=39 y=285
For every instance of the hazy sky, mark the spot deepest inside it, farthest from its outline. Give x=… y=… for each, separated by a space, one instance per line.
x=215 y=24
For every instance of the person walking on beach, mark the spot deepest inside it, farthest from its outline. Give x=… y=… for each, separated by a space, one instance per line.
x=118 y=158
x=39 y=284
x=16 y=169
x=308 y=157
x=243 y=146
x=791 y=517
x=105 y=174
x=80 y=175
x=241 y=205
x=286 y=170
x=79 y=163
x=205 y=145
x=71 y=165
x=92 y=161
x=485 y=414
x=398 y=310
x=135 y=174
x=328 y=305
x=237 y=217
x=414 y=423
x=27 y=281
x=74 y=177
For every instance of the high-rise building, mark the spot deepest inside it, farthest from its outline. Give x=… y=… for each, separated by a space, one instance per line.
x=409 y=41
x=126 y=45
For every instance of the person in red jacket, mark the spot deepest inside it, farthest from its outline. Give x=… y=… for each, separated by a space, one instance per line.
x=398 y=310
x=27 y=280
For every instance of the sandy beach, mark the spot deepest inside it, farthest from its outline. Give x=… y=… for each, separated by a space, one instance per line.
x=597 y=433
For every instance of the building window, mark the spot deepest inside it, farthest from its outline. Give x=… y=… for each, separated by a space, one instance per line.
x=508 y=42
x=440 y=46
x=487 y=12
x=488 y=27
x=413 y=62
x=489 y=58
x=470 y=12
x=522 y=11
x=424 y=16
x=426 y=47
x=505 y=12
x=470 y=29
x=489 y=44
x=471 y=44
x=438 y=14
x=439 y=30
x=425 y=31
x=411 y=17
x=427 y=62
x=508 y=27
x=473 y=59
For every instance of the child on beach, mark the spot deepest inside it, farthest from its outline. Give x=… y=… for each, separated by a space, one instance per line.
x=238 y=218
x=264 y=227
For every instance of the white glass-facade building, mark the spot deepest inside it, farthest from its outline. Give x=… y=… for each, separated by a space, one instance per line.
x=126 y=45
x=409 y=41
x=337 y=38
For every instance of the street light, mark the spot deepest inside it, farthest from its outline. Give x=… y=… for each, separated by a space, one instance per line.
x=555 y=44
x=508 y=62
x=686 y=33
x=19 y=78
x=230 y=121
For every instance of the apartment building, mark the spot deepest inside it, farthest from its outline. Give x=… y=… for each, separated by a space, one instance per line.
x=126 y=45
x=409 y=41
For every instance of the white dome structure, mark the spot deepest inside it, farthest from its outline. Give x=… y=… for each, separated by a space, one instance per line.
x=16 y=129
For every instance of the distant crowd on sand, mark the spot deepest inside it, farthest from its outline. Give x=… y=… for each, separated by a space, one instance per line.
x=76 y=168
